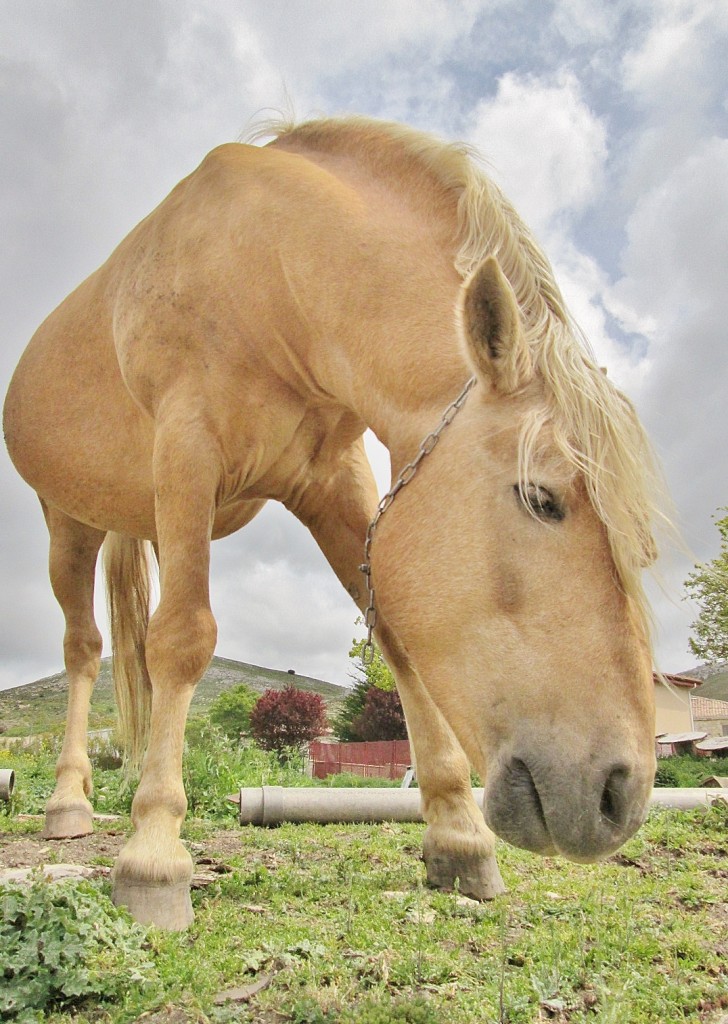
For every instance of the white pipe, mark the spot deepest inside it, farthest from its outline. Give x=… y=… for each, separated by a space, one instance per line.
x=7 y=783
x=271 y=805
x=686 y=799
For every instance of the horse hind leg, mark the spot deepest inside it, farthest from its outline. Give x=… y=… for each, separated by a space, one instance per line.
x=74 y=550
x=459 y=849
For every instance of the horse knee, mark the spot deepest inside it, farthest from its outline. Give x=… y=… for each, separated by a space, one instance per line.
x=82 y=651
x=180 y=644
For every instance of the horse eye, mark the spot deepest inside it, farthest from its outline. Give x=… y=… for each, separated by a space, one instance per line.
x=540 y=502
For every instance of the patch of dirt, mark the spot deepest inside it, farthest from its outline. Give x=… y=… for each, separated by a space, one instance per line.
x=103 y=846
x=34 y=851
x=170 y=1015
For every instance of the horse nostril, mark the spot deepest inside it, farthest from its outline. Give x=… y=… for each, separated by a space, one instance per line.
x=520 y=780
x=613 y=806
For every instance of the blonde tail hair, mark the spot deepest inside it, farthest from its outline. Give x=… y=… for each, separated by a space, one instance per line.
x=127 y=571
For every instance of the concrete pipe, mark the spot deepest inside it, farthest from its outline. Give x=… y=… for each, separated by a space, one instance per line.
x=272 y=805
x=686 y=799
x=7 y=783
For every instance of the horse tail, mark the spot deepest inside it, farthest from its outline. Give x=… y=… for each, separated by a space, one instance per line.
x=127 y=571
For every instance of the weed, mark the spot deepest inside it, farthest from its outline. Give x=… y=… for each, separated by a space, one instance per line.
x=415 y=1010
x=63 y=945
x=681 y=770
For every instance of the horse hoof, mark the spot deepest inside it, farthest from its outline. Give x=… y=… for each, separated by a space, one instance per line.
x=473 y=876
x=67 y=823
x=164 y=906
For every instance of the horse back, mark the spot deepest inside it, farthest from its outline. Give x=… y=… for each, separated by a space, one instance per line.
x=197 y=307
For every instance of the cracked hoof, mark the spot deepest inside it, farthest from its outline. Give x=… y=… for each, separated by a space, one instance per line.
x=68 y=822
x=474 y=876
x=164 y=906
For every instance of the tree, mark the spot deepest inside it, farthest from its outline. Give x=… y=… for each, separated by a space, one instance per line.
x=231 y=710
x=283 y=720
x=708 y=585
x=382 y=717
x=376 y=672
x=361 y=714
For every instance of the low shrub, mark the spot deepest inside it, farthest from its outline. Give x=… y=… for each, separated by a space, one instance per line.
x=106 y=752
x=683 y=771
x=416 y=1010
x=215 y=767
x=64 y=943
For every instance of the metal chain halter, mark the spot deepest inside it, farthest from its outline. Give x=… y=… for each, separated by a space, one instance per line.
x=426 y=447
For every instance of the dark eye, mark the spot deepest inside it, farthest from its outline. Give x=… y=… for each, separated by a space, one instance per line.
x=540 y=501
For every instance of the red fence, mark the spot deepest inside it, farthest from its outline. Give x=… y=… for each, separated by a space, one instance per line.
x=384 y=759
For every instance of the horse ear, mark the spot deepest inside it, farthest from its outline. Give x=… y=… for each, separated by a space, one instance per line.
x=492 y=326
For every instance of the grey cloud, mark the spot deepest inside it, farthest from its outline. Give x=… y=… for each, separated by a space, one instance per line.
x=105 y=107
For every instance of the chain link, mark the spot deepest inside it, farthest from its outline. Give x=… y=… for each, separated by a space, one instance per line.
x=427 y=446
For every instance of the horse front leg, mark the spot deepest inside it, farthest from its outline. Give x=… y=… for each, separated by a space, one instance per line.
x=153 y=872
x=74 y=550
x=459 y=849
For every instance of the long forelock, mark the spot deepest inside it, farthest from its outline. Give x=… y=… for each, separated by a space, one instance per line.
x=592 y=423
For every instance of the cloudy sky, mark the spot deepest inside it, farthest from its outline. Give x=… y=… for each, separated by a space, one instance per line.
x=605 y=122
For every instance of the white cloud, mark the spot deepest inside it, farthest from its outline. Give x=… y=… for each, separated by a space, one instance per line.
x=546 y=147
x=587 y=291
x=321 y=38
x=549 y=151
x=674 y=276
x=583 y=21
x=675 y=75
x=106 y=108
x=677 y=246
x=672 y=54
x=276 y=599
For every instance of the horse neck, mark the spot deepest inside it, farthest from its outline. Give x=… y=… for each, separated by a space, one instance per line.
x=400 y=369
x=400 y=376
x=379 y=311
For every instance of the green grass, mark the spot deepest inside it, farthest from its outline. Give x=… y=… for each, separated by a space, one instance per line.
x=341 y=919
x=214 y=768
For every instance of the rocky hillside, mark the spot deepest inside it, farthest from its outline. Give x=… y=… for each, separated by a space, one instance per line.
x=40 y=706
x=714 y=680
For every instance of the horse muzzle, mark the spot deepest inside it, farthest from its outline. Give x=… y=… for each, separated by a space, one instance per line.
x=584 y=813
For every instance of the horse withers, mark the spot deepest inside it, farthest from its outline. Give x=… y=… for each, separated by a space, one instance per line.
x=234 y=348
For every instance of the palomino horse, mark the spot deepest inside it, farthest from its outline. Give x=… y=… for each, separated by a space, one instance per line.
x=234 y=348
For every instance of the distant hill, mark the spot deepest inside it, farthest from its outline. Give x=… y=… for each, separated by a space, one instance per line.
x=714 y=680
x=40 y=707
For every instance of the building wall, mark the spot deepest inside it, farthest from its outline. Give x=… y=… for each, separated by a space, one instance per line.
x=713 y=727
x=672 y=707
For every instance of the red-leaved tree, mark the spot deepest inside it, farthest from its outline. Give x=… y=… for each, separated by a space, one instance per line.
x=382 y=717
x=283 y=720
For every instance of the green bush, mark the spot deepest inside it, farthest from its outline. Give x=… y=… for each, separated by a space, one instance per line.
x=348 y=780
x=64 y=943
x=683 y=770
x=666 y=775
x=106 y=752
x=230 y=711
x=216 y=767
x=34 y=768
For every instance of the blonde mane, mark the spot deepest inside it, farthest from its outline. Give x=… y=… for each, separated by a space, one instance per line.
x=594 y=425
